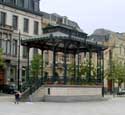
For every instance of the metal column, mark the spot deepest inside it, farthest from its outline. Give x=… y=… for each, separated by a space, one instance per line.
x=54 y=64
x=28 y=50
x=74 y=67
x=42 y=77
x=78 y=75
x=102 y=72
x=65 y=64
x=18 y=79
x=112 y=90
x=99 y=77
x=90 y=64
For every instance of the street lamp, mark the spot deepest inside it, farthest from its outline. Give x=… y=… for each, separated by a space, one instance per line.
x=18 y=79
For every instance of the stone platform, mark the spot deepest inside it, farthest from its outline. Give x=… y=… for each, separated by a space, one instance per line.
x=51 y=93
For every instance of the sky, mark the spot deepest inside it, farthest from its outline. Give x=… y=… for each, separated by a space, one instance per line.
x=90 y=14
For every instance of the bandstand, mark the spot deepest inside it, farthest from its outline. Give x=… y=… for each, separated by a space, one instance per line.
x=67 y=40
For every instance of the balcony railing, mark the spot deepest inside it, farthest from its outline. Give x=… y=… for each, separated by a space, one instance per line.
x=6 y=27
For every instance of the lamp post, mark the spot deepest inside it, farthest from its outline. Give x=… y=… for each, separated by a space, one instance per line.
x=18 y=79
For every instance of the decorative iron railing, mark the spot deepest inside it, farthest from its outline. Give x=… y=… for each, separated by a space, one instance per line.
x=31 y=86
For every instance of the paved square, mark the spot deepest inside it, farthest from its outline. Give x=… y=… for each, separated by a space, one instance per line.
x=114 y=106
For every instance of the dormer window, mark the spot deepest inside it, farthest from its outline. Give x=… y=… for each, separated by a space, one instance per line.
x=21 y=3
x=36 y=6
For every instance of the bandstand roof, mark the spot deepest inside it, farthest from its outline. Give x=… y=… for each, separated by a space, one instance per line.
x=62 y=37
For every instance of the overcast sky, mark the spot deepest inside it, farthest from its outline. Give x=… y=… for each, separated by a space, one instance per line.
x=90 y=14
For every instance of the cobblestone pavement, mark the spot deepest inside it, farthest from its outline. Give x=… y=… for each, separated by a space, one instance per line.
x=114 y=106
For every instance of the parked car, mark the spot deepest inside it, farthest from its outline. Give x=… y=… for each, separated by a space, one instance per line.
x=9 y=89
x=1 y=88
x=121 y=92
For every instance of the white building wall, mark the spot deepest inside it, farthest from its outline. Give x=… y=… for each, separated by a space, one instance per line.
x=21 y=15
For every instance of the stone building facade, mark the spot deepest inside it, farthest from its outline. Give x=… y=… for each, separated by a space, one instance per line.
x=116 y=50
x=17 y=22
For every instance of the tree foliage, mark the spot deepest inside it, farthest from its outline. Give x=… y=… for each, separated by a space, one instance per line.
x=36 y=65
x=83 y=70
x=117 y=72
x=71 y=69
x=2 y=63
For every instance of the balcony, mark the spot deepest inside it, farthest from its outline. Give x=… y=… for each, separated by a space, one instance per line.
x=8 y=58
x=6 y=27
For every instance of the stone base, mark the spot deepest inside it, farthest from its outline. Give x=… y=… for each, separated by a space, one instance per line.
x=68 y=94
x=73 y=90
x=74 y=98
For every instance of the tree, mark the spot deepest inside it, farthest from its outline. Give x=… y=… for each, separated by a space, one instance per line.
x=83 y=71
x=71 y=75
x=2 y=63
x=36 y=65
x=71 y=69
x=117 y=72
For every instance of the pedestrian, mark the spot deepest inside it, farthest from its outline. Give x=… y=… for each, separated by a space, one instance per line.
x=17 y=97
x=30 y=98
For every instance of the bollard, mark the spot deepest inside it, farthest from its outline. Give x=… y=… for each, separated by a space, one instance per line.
x=48 y=91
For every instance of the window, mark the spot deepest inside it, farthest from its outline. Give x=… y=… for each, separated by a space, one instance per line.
x=21 y=3
x=31 y=5
x=36 y=6
x=14 y=1
x=64 y=20
x=8 y=47
x=14 y=48
x=26 y=25
x=15 y=22
x=36 y=26
x=2 y=18
x=24 y=52
x=11 y=1
x=26 y=4
x=4 y=46
x=1 y=0
x=23 y=73
x=13 y=72
x=5 y=36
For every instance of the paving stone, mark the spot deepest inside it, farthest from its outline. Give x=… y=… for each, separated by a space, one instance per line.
x=114 y=106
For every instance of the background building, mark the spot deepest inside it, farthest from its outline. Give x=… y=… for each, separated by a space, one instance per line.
x=31 y=5
x=19 y=19
x=116 y=50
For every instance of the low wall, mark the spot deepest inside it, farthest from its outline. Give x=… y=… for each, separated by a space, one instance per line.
x=38 y=95
x=73 y=90
x=55 y=93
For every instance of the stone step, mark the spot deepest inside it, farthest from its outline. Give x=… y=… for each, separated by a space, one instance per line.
x=84 y=98
x=6 y=98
